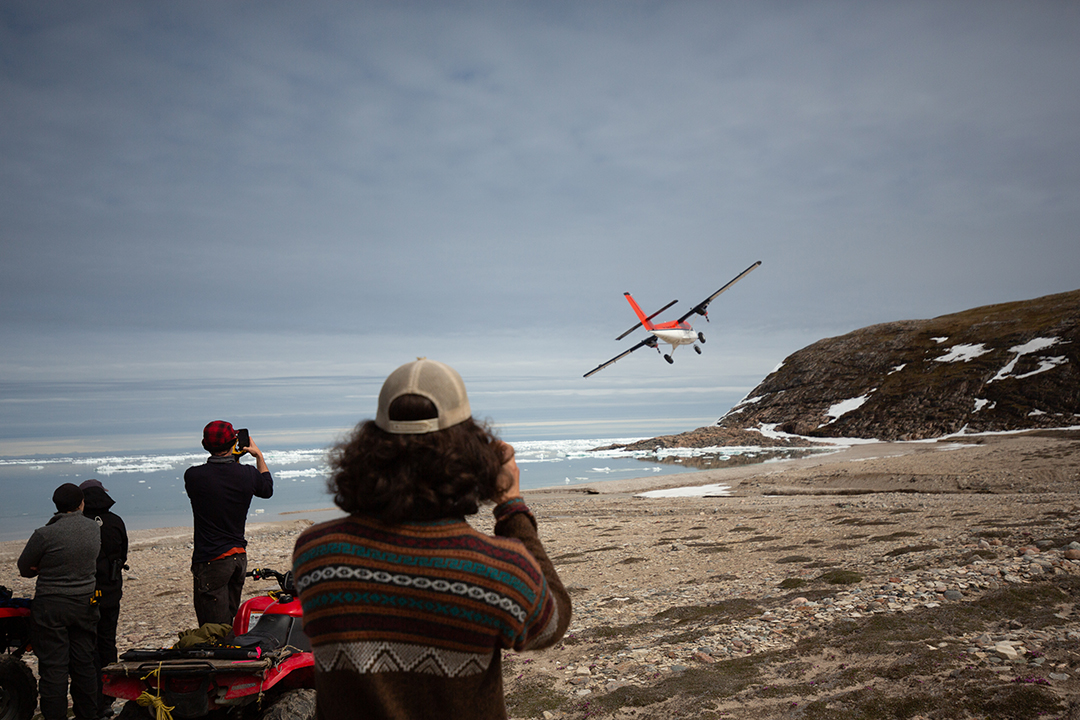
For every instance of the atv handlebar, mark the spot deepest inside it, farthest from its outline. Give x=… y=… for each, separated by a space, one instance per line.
x=284 y=581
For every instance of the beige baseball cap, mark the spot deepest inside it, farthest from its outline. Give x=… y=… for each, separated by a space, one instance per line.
x=436 y=381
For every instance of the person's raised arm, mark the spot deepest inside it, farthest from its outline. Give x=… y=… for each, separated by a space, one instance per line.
x=509 y=483
x=260 y=461
x=513 y=519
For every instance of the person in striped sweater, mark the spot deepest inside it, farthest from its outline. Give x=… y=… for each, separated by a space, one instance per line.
x=407 y=606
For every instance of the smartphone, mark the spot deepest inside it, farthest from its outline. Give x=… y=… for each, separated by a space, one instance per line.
x=242 y=441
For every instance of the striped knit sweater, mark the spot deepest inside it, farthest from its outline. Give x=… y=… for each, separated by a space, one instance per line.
x=409 y=620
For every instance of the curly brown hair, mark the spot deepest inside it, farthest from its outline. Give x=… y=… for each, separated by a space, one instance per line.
x=429 y=476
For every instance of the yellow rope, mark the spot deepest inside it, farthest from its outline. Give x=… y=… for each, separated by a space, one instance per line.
x=160 y=709
x=157 y=705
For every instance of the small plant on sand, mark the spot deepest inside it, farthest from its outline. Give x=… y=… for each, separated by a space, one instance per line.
x=735 y=609
x=841 y=577
x=531 y=698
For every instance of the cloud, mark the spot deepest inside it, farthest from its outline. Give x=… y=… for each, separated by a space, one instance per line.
x=467 y=174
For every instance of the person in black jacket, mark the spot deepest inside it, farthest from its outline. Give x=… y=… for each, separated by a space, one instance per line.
x=109 y=577
x=220 y=492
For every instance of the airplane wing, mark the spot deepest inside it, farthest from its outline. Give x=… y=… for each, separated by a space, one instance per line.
x=702 y=307
x=647 y=342
x=648 y=318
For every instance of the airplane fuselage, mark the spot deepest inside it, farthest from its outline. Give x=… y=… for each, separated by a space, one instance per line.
x=676 y=336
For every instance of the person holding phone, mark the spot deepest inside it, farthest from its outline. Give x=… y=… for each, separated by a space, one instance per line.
x=408 y=607
x=220 y=491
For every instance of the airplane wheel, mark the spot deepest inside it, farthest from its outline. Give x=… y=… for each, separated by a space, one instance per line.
x=668 y=358
x=697 y=349
x=701 y=337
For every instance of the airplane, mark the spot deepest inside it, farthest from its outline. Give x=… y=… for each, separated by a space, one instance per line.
x=674 y=333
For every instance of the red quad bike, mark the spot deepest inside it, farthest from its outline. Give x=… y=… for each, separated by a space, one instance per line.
x=266 y=671
x=18 y=687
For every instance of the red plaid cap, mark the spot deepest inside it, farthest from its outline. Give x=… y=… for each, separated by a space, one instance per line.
x=218 y=434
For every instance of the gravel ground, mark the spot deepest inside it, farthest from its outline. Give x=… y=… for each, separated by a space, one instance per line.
x=918 y=580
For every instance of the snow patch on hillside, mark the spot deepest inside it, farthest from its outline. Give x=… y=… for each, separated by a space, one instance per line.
x=963 y=353
x=1029 y=348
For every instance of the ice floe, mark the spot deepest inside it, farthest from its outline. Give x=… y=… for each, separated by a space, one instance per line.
x=714 y=490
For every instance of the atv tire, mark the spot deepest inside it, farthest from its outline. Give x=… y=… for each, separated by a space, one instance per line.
x=292 y=705
x=18 y=690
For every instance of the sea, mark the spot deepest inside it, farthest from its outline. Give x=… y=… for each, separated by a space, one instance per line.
x=149 y=488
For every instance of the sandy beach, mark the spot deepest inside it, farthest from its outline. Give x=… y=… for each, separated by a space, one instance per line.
x=751 y=604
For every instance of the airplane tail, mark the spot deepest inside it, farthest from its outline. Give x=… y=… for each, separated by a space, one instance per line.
x=645 y=322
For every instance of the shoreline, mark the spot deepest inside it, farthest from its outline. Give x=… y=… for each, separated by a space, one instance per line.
x=865 y=467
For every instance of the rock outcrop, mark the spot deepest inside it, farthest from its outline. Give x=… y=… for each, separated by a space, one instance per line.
x=1004 y=367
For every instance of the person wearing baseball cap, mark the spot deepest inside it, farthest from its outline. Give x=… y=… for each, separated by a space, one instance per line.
x=62 y=555
x=407 y=606
x=220 y=491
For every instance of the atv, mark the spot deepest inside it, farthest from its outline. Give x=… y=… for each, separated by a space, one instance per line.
x=18 y=687
x=264 y=668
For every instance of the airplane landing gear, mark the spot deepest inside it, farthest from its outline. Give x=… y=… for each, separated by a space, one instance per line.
x=701 y=337
x=697 y=349
x=668 y=358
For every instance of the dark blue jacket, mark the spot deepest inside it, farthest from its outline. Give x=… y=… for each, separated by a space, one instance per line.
x=220 y=492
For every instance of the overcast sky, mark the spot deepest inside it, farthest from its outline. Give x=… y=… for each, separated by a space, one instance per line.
x=255 y=211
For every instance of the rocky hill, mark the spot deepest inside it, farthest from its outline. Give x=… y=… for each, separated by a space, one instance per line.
x=1001 y=367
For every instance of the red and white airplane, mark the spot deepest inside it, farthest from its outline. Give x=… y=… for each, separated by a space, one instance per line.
x=674 y=333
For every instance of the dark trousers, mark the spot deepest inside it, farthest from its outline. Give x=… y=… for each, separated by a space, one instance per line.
x=105 y=650
x=64 y=634
x=218 y=585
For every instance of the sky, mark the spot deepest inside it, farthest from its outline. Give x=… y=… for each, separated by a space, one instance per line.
x=255 y=211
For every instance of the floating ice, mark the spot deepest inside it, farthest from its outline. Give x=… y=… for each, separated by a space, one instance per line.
x=310 y=472
x=277 y=458
x=547 y=451
x=715 y=490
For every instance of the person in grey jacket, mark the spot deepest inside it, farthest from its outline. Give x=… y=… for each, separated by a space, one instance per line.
x=62 y=555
